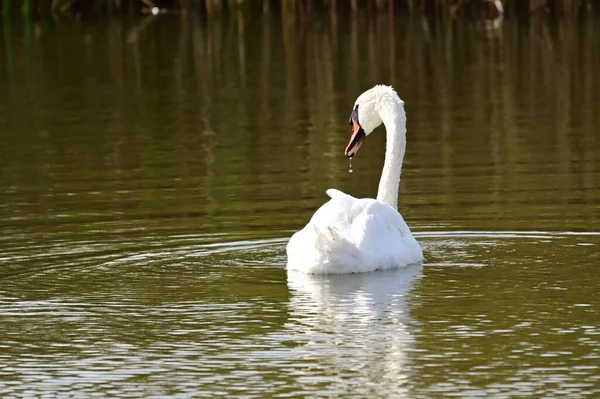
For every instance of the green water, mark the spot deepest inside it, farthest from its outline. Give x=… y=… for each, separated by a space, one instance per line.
x=153 y=170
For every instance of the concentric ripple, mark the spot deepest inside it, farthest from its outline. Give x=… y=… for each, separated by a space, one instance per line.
x=202 y=315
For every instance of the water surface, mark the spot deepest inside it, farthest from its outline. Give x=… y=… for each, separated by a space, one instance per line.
x=153 y=170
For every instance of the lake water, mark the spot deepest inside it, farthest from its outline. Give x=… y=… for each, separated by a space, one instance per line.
x=152 y=171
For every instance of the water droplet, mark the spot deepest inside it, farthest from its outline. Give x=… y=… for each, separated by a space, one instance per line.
x=350 y=169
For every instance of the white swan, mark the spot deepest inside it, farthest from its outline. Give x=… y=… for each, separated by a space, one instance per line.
x=350 y=235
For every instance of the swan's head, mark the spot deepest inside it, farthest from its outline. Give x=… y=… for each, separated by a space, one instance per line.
x=367 y=111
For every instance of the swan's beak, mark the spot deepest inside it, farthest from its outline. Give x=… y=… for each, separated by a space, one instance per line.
x=356 y=140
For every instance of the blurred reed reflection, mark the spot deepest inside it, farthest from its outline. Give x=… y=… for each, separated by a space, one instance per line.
x=252 y=101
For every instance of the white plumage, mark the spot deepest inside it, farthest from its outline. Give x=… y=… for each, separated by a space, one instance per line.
x=350 y=235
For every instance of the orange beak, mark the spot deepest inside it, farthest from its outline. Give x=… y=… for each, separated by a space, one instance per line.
x=356 y=140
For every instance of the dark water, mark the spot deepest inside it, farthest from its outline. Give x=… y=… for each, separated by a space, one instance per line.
x=153 y=170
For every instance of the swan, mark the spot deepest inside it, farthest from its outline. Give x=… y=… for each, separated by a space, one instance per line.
x=357 y=235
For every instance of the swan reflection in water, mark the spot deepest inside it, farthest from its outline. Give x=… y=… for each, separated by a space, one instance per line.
x=356 y=329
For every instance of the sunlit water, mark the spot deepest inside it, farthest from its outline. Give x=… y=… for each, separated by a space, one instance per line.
x=152 y=174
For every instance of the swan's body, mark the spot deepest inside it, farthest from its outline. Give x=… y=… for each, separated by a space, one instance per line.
x=350 y=235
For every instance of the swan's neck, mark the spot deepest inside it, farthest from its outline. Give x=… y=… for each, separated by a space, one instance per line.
x=395 y=126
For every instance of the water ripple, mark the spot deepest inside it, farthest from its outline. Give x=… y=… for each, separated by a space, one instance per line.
x=200 y=315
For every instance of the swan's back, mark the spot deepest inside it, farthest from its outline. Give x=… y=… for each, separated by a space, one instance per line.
x=350 y=235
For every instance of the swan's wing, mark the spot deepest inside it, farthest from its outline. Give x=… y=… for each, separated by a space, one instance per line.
x=354 y=218
x=334 y=213
x=377 y=222
x=347 y=235
x=340 y=212
x=322 y=245
x=381 y=235
x=335 y=193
